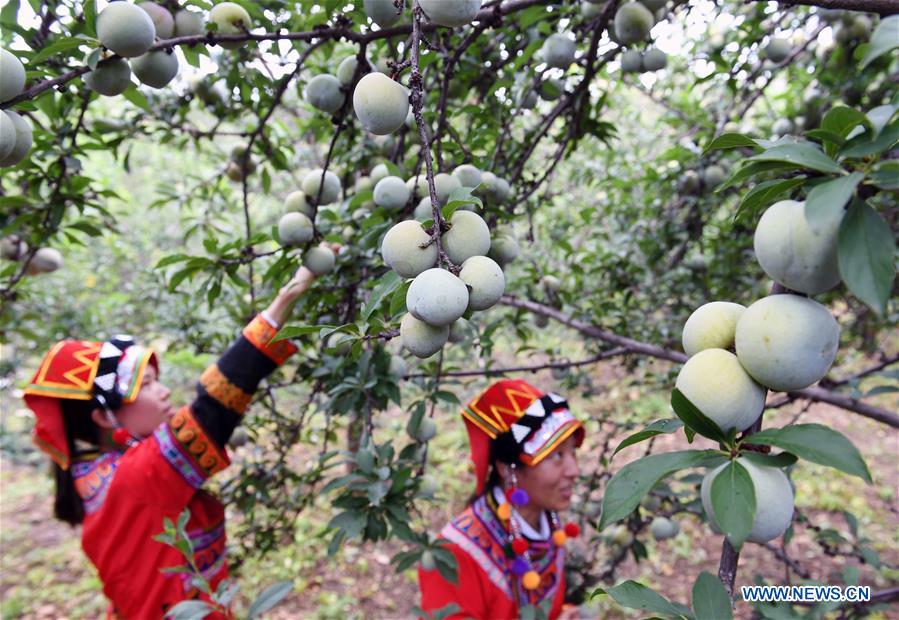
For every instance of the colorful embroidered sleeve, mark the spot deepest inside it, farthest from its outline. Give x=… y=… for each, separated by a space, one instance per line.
x=226 y=387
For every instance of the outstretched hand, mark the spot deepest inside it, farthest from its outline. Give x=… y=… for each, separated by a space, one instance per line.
x=280 y=308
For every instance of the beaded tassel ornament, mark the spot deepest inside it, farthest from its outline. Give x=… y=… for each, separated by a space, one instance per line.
x=518 y=544
x=120 y=435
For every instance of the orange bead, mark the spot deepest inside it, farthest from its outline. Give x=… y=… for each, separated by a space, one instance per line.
x=504 y=511
x=559 y=537
x=531 y=580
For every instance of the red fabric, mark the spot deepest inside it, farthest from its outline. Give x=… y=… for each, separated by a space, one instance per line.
x=118 y=537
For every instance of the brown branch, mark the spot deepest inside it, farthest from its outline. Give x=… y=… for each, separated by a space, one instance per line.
x=882 y=7
x=489 y=372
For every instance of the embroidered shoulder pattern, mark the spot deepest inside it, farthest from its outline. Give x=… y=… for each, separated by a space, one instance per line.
x=260 y=333
x=92 y=480
x=184 y=444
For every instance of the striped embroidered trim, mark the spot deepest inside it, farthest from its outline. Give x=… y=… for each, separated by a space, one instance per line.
x=172 y=454
x=92 y=480
x=260 y=333
x=184 y=444
x=221 y=389
x=496 y=575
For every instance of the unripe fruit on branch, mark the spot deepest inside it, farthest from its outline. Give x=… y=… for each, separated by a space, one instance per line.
x=378 y=172
x=444 y=185
x=591 y=10
x=20 y=136
x=777 y=50
x=782 y=127
x=459 y=330
x=631 y=61
x=189 y=23
x=787 y=342
x=163 y=22
x=527 y=99
x=112 y=77
x=397 y=366
x=654 y=59
x=12 y=75
x=330 y=191
x=551 y=283
x=420 y=339
x=155 y=69
x=689 y=182
x=633 y=21
x=383 y=12
x=713 y=176
x=12 y=248
x=558 y=50
x=424 y=210
x=296 y=201
x=715 y=382
x=468 y=175
x=380 y=103
x=437 y=297
x=504 y=249
x=230 y=18
x=798 y=253
x=663 y=528
x=418 y=186
x=468 y=236
x=239 y=437
x=294 y=229
x=347 y=69
x=861 y=27
x=711 y=326
x=451 y=13
x=323 y=93
x=238 y=155
x=234 y=172
x=125 y=29
x=486 y=280
x=319 y=260
x=653 y=5
x=402 y=249
x=427 y=561
x=391 y=193
x=426 y=431
x=494 y=188
x=550 y=89
x=773 y=500
x=45 y=260
x=621 y=535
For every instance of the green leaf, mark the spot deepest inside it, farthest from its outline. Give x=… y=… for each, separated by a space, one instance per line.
x=634 y=480
x=841 y=120
x=784 y=459
x=61 y=45
x=710 y=599
x=826 y=201
x=270 y=597
x=823 y=135
x=866 y=250
x=388 y=283
x=694 y=418
x=733 y=501
x=189 y=610
x=751 y=169
x=668 y=425
x=137 y=98
x=802 y=154
x=818 y=444
x=292 y=331
x=885 y=175
x=864 y=145
x=880 y=117
x=730 y=141
x=637 y=596
x=764 y=194
x=884 y=39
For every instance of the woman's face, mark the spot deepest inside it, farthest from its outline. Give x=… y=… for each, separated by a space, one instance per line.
x=151 y=407
x=550 y=483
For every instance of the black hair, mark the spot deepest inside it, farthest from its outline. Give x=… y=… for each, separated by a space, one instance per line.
x=76 y=419
x=503 y=449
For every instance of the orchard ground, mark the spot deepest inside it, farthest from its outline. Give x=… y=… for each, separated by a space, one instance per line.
x=45 y=574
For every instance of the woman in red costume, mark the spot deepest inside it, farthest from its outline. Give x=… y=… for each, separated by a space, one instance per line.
x=125 y=458
x=509 y=542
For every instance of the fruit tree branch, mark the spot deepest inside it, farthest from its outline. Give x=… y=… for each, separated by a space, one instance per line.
x=817 y=394
x=882 y=7
x=489 y=372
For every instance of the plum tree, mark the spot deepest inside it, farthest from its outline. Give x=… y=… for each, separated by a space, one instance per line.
x=437 y=297
x=383 y=12
x=426 y=431
x=558 y=50
x=12 y=248
x=391 y=193
x=485 y=279
x=654 y=59
x=444 y=185
x=320 y=260
x=778 y=49
x=377 y=173
x=494 y=188
x=230 y=18
x=380 y=103
x=163 y=21
x=717 y=384
x=632 y=61
x=663 y=528
x=451 y=13
x=713 y=176
x=423 y=210
x=346 y=70
x=782 y=127
x=787 y=342
x=633 y=21
x=155 y=69
x=16 y=135
x=12 y=75
x=295 y=229
x=296 y=201
x=418 y=186
x=324 y=93
x=189 y=23
x=407 y=250
x=711 y=326
x=421 y=339
x=773 y=498
x=112 y=77
x=551 y=283
x=125 y=29
x=504 y=249
x=468 y=236
x=468 y=175
x=318 y=192
x=45 y=260
x=799 y=253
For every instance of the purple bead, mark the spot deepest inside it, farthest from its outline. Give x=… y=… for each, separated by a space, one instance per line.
x=520 y=497
x=520 y=566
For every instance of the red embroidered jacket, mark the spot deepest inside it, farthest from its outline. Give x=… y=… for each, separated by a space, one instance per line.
x=127 y=496
x=487 y=589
